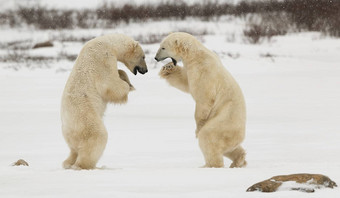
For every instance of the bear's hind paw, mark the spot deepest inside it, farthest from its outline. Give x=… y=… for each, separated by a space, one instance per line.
x=238 y=164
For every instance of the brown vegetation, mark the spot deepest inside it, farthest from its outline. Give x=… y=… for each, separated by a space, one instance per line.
x=305 y=15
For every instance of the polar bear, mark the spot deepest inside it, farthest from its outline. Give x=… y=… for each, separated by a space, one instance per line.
x=220 y=113
x=94 y=82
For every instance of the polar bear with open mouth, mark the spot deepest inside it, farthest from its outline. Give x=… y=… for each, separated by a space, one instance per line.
x=220 y=107
x=94 y=82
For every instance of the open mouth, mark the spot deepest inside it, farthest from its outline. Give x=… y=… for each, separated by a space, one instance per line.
x=140 y=70
x=135 y=71
x=174 y=61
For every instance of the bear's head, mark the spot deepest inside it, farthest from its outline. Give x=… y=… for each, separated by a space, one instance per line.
x=176 y=46
x=134 y=59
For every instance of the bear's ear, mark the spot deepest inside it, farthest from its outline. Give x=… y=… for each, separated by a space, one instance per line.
x=133 y=47
x=135 y=44
x=180 y=47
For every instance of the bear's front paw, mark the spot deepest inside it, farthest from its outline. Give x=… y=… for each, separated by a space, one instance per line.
x=167 y=69
x=125 y=77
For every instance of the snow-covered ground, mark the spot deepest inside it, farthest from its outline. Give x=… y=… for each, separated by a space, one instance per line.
x=291 y=86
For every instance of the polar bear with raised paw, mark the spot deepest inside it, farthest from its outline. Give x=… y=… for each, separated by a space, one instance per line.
x=220 y=113
x=95 y=81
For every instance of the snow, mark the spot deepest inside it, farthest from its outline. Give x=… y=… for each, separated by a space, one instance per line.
x=309 y=186
x=292 y=97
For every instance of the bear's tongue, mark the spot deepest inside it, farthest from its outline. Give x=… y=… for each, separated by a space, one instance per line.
x=174 y=61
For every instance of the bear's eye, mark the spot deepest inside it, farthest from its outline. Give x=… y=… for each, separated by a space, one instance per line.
x=163 y=48
x=144 y=57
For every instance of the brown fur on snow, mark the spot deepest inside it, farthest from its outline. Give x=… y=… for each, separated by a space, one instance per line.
x=272 y=184
x=20 y=162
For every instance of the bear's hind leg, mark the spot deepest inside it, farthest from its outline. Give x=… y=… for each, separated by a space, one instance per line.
x=90 y=151
x=238 y=156
x=212 y=153
x=90 y=154
x=67 y=164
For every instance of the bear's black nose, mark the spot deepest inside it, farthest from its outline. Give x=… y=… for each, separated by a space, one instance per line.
x=141 y=70
x=156 y=59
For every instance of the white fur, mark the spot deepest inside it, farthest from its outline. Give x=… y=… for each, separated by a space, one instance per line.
x=220 y=107
x=94 y=82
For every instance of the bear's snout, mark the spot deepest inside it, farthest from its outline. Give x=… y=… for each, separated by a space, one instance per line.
x=157 y=59
x=140 y=69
